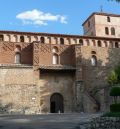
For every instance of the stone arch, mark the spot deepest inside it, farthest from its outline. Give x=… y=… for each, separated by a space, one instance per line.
x=99 y=43
x=22 y=39
x=55 y=49
x=1 y=37
x=61 y=41
x=81 y=42
x=42 y=39
x=94 y=60
x=56 y=103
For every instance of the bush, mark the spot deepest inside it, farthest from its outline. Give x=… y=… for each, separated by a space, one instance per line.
x=115 y=107
x=115 y=91
x=111 y=114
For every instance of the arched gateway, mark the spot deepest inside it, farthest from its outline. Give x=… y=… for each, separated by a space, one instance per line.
x=56 y=103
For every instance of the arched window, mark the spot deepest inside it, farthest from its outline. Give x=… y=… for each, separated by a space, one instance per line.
x=42 y=40
x=17 y=58
x=55 y=49
x=61 y=41
x=55 y=59
x=94 y=60
x=116 y=45
x=21 y=38
x=18 y=49
x=99 y=43
x=1 y=38
x=81 y=42
x=106 y=31
x=108 y=19
x=112 y=31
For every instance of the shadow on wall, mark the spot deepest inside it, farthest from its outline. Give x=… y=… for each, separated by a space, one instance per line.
x=95 y=76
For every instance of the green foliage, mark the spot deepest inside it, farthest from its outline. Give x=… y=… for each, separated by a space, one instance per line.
x=111 y=114
x=115 y=91
x=113 y=78
x=115 y=107
x=114 y=0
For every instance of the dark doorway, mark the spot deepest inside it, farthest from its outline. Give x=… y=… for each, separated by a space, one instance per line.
x=56 y=103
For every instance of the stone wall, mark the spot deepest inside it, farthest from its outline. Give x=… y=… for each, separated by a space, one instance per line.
x=51 y=82
x=18 y=92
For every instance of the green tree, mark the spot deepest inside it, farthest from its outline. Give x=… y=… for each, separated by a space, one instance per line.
x=114 y=77
x=115 y=92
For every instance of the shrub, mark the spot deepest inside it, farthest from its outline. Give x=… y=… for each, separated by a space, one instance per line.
x=115 y=107
x=115 y=91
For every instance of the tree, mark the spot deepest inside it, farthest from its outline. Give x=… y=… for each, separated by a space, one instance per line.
x=115 y=0
x=115 y=92
x=114 y=77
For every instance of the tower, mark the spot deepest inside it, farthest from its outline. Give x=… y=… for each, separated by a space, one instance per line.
x=103 y=25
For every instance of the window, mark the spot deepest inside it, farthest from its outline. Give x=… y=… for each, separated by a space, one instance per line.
x=81 y=42
x=88 y=23
x=106 y=31
x=112 y=31
x=94 y=60
x=55 y=49
x=1 y=38
x=55 y=59
x=116 y=45
x=17 y=58
x=42 y=40
x=108 y=19
x=99 y=44
x=21 y=38
x=61 y=41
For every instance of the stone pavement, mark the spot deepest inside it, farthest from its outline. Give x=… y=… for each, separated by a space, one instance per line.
x=48 y=121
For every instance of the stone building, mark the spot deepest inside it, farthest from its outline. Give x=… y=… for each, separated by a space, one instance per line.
x=51 y=73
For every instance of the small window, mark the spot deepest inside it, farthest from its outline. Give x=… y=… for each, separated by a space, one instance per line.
x=108 y=19
x=94 y=60
x=42 y=40
x=116 y=45
x=55 y=59
x=112 y=31
x=81 y=42
x=61 y=41
x=17 y=58
x=99 y=44
x=106 y=31
x=1 y=38
x=21 y=38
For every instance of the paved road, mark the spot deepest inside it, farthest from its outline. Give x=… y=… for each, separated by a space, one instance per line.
x=49 y=121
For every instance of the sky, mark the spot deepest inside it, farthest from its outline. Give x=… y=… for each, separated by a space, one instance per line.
x=51 y=16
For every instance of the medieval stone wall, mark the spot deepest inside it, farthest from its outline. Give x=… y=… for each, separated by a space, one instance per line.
x=18 y=92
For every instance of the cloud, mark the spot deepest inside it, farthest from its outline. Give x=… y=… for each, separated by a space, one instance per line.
x=37 y=17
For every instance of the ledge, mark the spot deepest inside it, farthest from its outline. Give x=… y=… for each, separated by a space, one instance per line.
x=15 y=66
x=56 y=67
